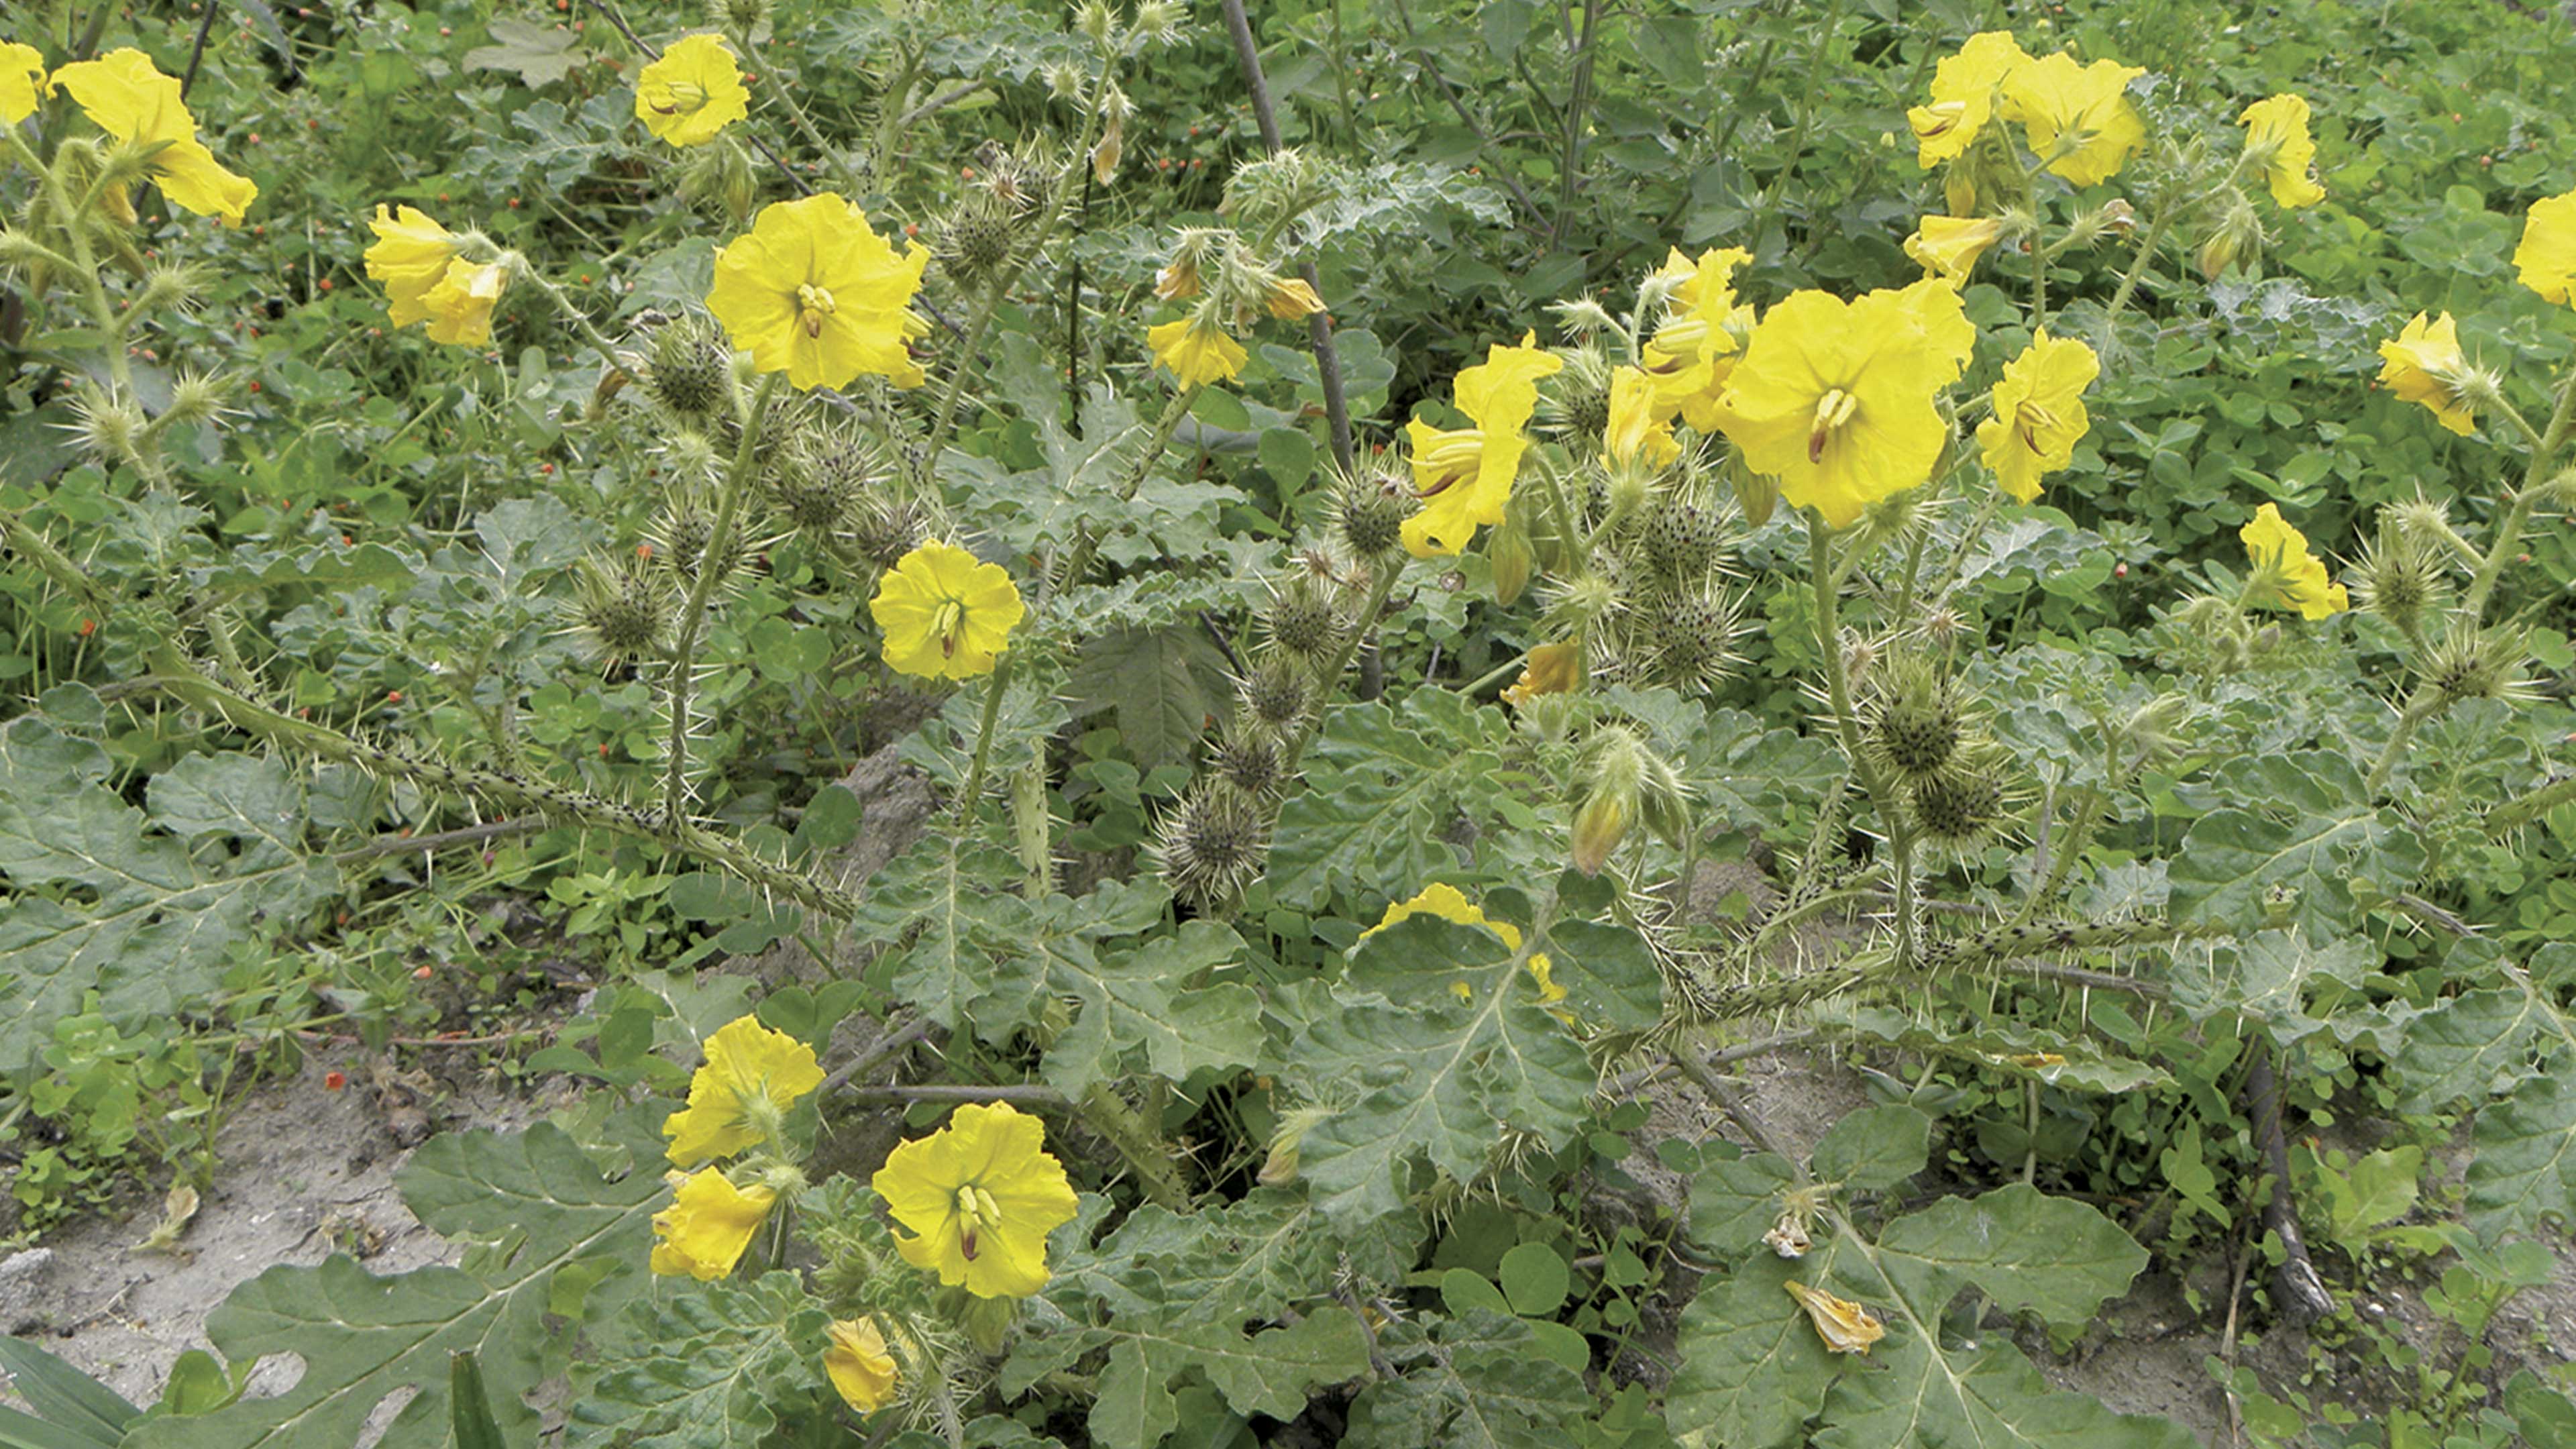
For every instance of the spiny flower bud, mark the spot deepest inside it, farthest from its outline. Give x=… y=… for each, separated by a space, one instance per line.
x=171 y=288
x=1960 y=804
x=741 y=17
x=624 y=610
x=1279 y=1168
x=817 y=486
x=1370 y=509
x=2398 y=577
x=976 y=240
x=1576 y=405
x=1304 y=620
x=1583 y=603
x=1158 y=21
x=109 y=429
x=1252 y=761
x=1684 y=541
x=2473 y=663
x=1210 y=847
x=2238 y=237
x=1096 y=20
x=1065 y=81
x=198 y=397
x=1691 y=640
x=1275 y=692
x=1912 y=718
x=689 y=372
x=1509 y=555
x=682 y=531
x=2152 y=733
x=1583 y=320
x=886 y=527
x=1612 y=783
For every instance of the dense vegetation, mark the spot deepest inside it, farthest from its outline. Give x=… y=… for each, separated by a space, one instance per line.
x=1412 y=588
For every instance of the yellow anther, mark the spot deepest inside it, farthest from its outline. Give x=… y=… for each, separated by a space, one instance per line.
x=1833 y=410
x=813 y=304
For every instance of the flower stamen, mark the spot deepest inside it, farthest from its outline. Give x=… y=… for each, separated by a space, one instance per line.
x=813 y=304
x=1833 y=410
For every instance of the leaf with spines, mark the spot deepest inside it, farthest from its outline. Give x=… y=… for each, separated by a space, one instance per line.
x=1381 y=788
x=1477 y=1382
x=2306 y=832
x=719 y=1357
x=572 y=1240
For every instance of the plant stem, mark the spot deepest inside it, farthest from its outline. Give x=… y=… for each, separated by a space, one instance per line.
x=1138 y=1143
x=974 y=790
x=2419 y=708
x=2509 y=533
x=579 y=319
x=1381 y=583
x=2154 y=235
x=675 y=789
x=1900 y=838
x=84 y=260
x=2512 y=815
x=1807 y=99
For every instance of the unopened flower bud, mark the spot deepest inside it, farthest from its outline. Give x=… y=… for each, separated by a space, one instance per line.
x=1509 y=554
x=1096 y=20
x=1610 y=804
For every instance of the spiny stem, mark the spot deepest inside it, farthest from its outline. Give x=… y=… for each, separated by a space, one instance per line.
x=2509 y=532
x=675 y=789
x=1085 y=543
x=974 y=790
x=1900 y=836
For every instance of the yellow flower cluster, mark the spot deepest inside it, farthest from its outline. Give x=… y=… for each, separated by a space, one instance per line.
x=1701 y=335
x=738 y=1100
x=128 y=97
x=427 y=277
x=980 y=1196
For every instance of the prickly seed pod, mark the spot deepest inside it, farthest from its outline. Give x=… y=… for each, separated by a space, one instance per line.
x=976 y=240
x=886 y=527
x=1304 y=620
x=818 y=486
x=1684 y=541
x=1960 y=804
x=623 y=610
x=689 y=372
x=2398 y=578
x=1251 y=761
x=1576 y=406
x=1690 y=641
x=198 y=397
x=2472 y=663
x=681 y=532
x=1210 y=847
x=1369 y=512
x=176 y=288
x=109 y=429
x=1585 y=602
x=1912 y=720
x=1275 y=692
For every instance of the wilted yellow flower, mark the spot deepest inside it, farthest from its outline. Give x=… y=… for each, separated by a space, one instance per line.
x=708 y=1225
x=1464 y=475
x=1550 y=669
x=1845 y=1326
x=1635 y=428
x=1196 y=352
x=2286 y=575
x=861 y=1367
x=2276 y=139
x=2077 y=117
x=1963 y=96
x=1696 y=344
x=692 y=92
x=751 y=1076
x=411 y=256
x=130 y=99
x=982 y=1193
x=459 y=307
x=1948 y=247
x=22 y=81
x=1290 y=298
x=945 y=615
x=2423 y=364
x=1450 y=904
x=2547 y=255
x=813 y=290
x=1836 y=399
x=2039 y=412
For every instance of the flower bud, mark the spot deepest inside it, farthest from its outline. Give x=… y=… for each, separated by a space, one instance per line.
x=1279 y=1167
x=739 y=17
x=1508 y=552
x=1613 y=783
x=2238 y=237
x=1096 y=20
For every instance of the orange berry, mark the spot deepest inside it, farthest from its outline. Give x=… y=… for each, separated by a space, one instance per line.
x=425 y=972
x=88 y=627
x=334 y=1081
x=393 y=696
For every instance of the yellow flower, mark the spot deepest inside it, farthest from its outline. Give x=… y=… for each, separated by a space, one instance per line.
x=1177 y=279
x=1635 y=428
x=860 y=1365
x=1550 y=669
x=2077 y=117
x=813 y=290
x=707 y=1226
x=1450 y=904
x=1464 y=475
x=2039 y=412
x=1963 y=96
x=1290 y=298
x=1836 y=399
x=2547 y=255
x=1196 y=353
x=945 y=615
x=459 y=308
x=692 y=92
x=1697 y=343
x=138 y=105
x=2286 y=575
x=1948 y=247
x=982 y=1194
x=411 y=256
x=1845 y=1326
x=2423 y=364
x=22 y=81
x=751 y=1076
x=2277 y=140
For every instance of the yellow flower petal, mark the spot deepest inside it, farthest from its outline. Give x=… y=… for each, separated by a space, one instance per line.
x=692 y=92
x=980 y=1194
x=747 y=1063
x=945 y=615
x=2286 y=575
x=22 y=81
x=1845 y=1326
x=2039 y=413
x=811 y=290
x=1464 y=476
x=2277 y=131
x=2077 y=117
x=129 y=98
x=410 y=257
x=2423 y=364
x=1197 y=353
x=1836 y=399
x=1635 y=427
x=460 y=306
x=708 y=1225
x=1550 y=669
x=1949 y=246
x=2546 y=259
x=1963 y=96
x=861 y=1368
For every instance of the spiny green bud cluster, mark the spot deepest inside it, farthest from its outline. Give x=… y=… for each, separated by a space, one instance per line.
x=2401 y=576
x=1575 y=406
x=722 y=174
x=1252 y=761
x=171 y=287
x=198 y=397
x=688 y=372
x=1957 y=805
x=1684 y=541
x=1689 y=643
x=1211 y=847
x=1306 y=618
x=107 y=428
x=1275 y=692
x=2469 y=662
x=1272 y=189
x=886 y=526
x=624 y=609
x=1911 y=720
x=682 y=530
x=738 y=17
x=820 y=483
x=1369 y=510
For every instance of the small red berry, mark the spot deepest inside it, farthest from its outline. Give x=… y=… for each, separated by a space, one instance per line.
x=425 y=972
x=393 y=696
x=603 y=749
x=547 y=469
x=326 y=284
x=254 y=386
x=2120 y=571
x=334 y=1081
x=88 y=627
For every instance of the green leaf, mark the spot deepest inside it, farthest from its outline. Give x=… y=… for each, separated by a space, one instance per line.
x=2470 y=1046
x=1164 y=684
x=2052 y=1256
x=538 y=1195
x=1734 y=1202
x=1989 y=1396
x=2295 y=856
x=716 y=1360
x=1255 y=1258
x=538 y=53
x=2380 y=1189
x=1535 y=1278
x=67 y=1400
x=1752 y=1369
x=471 y=1425
x=1271 y=1372
x=1875 y=1147
x=1382 y=786
x=139 y=907
x=2524 y=1169
x=1156 y=1003
x=1477 y=1382
x=2269 y=976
